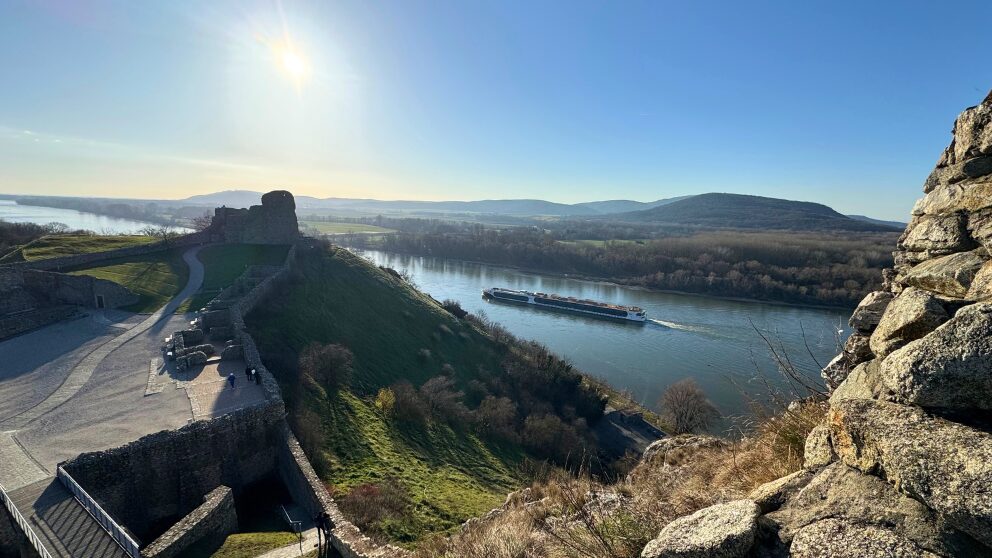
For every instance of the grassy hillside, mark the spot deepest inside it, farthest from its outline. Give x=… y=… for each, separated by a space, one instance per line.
x=401 y=478
x=738 y=211
x=158 y=277
x=59 y=245
x=155 y=277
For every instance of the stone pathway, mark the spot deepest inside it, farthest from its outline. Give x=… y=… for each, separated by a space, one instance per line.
x=82 y=372
x=293 y=550
x=18 y=469
x=210 y=395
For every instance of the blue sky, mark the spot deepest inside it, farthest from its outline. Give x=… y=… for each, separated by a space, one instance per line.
x=844 y=103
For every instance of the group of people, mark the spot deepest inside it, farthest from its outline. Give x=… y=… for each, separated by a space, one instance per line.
x=250 y=373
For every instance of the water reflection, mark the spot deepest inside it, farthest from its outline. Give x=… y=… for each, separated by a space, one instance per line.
x=711 y=340
x=101 y=224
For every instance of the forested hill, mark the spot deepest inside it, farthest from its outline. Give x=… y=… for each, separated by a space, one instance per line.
x=738 y=211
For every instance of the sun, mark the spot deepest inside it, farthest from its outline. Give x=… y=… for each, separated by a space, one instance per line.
x=294 y=64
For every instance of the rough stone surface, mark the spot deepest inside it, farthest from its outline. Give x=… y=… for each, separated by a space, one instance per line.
x=945 y=465
x=948 y=368
x=948 y=275
x=818 y=451
x=771 y=495
x=210 y=523
x=720 y=531
x=981 y=284
x=841 y=492
x=858 y=348
x=834 y=538
x=836 y=371
x=862 y=383
x=933 y=233
x=910 y=316
x=869 y=311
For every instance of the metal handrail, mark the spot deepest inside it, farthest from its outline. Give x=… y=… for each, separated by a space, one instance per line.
x=115 y=531
x=33 y=538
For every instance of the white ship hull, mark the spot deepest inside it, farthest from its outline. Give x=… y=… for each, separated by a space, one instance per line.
x=554 y=302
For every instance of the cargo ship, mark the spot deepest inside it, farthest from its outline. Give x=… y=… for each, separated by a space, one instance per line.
x=567 y=303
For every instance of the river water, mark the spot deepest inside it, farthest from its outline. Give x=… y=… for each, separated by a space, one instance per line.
x=709 y=339
x=101 y=224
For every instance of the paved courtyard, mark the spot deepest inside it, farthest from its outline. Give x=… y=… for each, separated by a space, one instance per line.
x=98 y=382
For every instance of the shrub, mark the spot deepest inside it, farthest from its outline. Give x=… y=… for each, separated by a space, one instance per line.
x=372 y=507
x=408 y=405
x=685 y=408
x=385 y=401
x=549 y=436
x=454 y=308
x=497 y=417
x=442 y=401
x=329 y=365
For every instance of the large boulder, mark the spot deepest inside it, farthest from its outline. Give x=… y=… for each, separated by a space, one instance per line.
x=817 y=451
x=981 y=284
x=771 y=495
x=835 y=538
x=950 y=367
x=844 y=493
x=937 y=233
x=969 y=196
x=911 y=315
x=676 y=450
x=948 y=275
x=945 y=465
x=869 y=311
x=862 y=383
x=720 y=531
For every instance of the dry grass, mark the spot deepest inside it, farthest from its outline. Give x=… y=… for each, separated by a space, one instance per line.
x=569 y=516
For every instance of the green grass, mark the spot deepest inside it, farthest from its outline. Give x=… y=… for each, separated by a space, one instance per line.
x=449 y=475
x=223 y=263
x=155 y=277
x=59 y=245
x=327 y=227
x=258 y=536
x=601 y=243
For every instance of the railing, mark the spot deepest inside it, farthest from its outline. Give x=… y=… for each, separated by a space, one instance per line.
x=103 y=518
x=23 y=523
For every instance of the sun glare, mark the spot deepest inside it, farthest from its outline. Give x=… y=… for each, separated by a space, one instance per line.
x=294 y=64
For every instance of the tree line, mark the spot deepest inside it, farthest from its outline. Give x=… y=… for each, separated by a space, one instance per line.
x=825 y=268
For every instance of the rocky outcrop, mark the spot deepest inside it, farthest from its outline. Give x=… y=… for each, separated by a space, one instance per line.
x=834 y=538
x=912 y=315
x=720 y=531
x=869 y=311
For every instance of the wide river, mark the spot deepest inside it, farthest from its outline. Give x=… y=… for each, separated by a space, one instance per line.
x=709 y=339
x=101 y=224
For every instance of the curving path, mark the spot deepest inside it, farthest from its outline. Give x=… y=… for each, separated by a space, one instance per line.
x=82 y=372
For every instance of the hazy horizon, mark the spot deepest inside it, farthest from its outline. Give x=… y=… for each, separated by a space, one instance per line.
x=467 y=101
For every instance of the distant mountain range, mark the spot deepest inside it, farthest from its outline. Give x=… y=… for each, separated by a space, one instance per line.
x=517 y=208
x=715 y=210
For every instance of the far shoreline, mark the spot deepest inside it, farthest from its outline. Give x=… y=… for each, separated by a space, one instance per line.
x=615 y=283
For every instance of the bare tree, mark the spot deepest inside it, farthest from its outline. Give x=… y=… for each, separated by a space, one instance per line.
x=685 y=408
x=164 y=233
x=202 y=222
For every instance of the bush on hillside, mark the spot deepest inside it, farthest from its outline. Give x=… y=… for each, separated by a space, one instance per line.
x=496 y=417
x=328 y=365
x=454 y=308
x=408 y=405
x=443 y=402
x=375 y=508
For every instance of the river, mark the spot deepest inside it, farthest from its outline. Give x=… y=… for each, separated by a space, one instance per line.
x=11 y=212
x=709 y=339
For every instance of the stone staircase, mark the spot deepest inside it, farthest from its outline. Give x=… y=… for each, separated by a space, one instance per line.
x=67 y=530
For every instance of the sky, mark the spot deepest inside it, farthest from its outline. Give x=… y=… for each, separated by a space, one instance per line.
x=840 y=102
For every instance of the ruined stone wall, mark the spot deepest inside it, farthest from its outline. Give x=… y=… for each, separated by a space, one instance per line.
x=212 y=521
x=80 y=290
x=272 y=222
x=166 y=475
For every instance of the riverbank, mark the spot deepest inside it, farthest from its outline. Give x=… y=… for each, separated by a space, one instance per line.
x=618 y=282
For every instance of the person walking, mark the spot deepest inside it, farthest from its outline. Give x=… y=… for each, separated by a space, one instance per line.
x=248 y=370
x=258 y=377
x=230 y=379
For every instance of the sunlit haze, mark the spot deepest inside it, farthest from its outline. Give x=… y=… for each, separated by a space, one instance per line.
x=838 y=102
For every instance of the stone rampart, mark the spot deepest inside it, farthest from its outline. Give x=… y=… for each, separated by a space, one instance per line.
x=212 y=521
x=81 y=290
x=164 y=476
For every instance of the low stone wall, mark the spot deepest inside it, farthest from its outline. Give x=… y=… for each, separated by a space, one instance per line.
x=213 y=520
x=165 y=475
x=81 y=290
x=33 y=319
x=84 y=259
